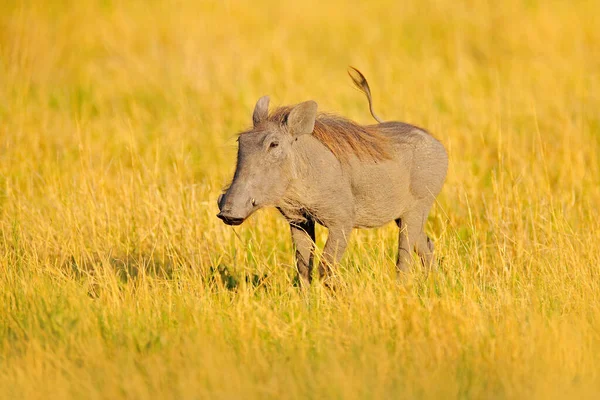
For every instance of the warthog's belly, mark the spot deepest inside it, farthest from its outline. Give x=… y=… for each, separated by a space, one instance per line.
x=381 y=191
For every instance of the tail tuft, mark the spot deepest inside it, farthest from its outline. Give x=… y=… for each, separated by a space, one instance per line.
x=361 y=83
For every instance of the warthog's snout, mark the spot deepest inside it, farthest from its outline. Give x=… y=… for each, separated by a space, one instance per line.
x=233 y=208
x=229 y=219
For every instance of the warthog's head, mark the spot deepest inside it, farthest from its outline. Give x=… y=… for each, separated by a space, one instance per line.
x=265 y=161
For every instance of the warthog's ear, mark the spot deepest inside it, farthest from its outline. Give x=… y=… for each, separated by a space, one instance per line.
x=261 y=110
x=301 y=120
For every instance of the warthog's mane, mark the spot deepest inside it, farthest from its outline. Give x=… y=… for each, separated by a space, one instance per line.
x=342 y=136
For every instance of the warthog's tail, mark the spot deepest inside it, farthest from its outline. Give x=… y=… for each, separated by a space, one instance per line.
x=361 y=83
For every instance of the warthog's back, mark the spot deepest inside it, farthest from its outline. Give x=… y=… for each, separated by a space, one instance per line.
x=415 y=174
x=430 y=162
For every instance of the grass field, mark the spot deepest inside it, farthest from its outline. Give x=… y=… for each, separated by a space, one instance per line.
x=117 y=133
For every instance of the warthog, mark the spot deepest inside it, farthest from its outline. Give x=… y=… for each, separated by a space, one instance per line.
x=326 y=169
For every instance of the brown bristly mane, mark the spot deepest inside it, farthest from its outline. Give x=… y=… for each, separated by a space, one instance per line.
x=343 y=137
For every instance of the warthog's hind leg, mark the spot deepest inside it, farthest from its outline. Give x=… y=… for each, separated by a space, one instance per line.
x=412 y=237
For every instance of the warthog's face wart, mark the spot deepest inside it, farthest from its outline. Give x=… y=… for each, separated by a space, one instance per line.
x=264 y=167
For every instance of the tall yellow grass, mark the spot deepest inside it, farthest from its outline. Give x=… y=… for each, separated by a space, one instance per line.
x=117 y=132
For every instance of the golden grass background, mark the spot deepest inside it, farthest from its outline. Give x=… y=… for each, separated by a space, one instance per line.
x=117 y=132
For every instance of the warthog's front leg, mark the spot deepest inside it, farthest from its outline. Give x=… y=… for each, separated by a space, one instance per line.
x=303 y=237
x=334 y=248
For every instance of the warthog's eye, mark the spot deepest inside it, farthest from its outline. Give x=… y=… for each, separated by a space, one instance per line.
x=273 y=145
